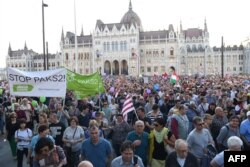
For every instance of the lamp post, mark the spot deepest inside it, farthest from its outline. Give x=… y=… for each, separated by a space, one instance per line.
x=44 y=57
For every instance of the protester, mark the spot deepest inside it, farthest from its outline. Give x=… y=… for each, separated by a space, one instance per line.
x=139 y=138
x=119 y=131
x=181 y=157
x=73 y=137
x=48 y=154
x=57 y=129
x=85 y=164
x=96 y=150
x=127 y=157
x=230 y=129
x=245 y=132
x=43 y=131
x=11 y=127
x=198 y=139
x=157 y=140
x=234 y=143
x=23 y=137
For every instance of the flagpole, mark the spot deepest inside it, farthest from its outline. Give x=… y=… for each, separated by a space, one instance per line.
x=76 y=49
x=99 y=93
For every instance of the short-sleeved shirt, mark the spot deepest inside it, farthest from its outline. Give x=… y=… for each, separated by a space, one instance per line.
x=142 y=149
x=219 y=159
x=74 y=134
x=98 y=153
x=245 y=129
x=33 y=142
x=23 y=137
x=197 y=141
x=118 y=162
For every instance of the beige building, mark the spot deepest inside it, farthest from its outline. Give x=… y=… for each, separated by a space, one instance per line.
x=125 y=48
x=28 y=60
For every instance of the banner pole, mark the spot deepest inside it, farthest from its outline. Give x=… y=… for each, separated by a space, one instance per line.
x=99 y=94
x=136 y=115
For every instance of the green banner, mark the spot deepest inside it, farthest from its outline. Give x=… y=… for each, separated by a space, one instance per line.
x=84 y=85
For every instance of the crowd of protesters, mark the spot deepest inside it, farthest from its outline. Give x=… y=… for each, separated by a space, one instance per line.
x=190 y=121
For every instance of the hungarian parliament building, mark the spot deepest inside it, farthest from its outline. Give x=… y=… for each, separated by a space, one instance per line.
x=125 y=48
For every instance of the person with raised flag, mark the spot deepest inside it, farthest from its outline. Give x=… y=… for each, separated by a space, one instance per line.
x=174 y=77
x=127 y=107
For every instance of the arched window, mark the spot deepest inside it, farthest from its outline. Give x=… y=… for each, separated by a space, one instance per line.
x=113 y=46
x=66 y=56
x=121 y=46
x=116 y=46
x=171 y=51
x=108 y=46
x=125 y=45
x=104 y=47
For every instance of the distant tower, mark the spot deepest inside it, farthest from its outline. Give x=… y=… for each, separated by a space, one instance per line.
x=205 y=26
x=62 y=37
x=82 y=34
x=206 y=34
x=25 y=49
x=130 y=5
x=9 y=51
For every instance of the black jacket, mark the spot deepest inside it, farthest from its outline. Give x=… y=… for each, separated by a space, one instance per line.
x=191 y=160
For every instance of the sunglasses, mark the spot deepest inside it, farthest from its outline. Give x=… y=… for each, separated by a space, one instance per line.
x=13 y=117
x=200 y=124
x=156 y=125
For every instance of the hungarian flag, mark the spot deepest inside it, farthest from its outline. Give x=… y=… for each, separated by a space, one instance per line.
x=174 y=78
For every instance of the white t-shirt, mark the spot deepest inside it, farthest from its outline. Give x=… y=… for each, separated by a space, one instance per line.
x=23 y=137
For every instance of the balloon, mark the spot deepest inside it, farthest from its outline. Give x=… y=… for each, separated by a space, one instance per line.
x=1 y=91
x=156 y=87
x=34 y=103
x=42 y=99
x=148 y=91
x=112 y=89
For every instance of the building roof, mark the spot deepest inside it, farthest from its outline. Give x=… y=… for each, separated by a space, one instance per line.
x=193 y=32
x=153 y=34
x=19 y=53
x=80 y=39
x=131 y=17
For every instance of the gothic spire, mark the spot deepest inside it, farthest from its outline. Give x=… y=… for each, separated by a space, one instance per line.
x=62 y=36
x=180 y=26
x=25 y=48
x=9 y=50
x=205 y=25
x=130 y=5
x=82 y=34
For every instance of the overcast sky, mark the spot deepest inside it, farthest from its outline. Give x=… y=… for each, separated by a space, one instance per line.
x=21 y=20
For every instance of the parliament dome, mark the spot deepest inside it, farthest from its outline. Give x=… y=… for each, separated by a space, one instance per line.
x=131 y=17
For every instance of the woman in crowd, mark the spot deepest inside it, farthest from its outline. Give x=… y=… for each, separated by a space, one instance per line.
x=26 y=107
x=158 y=138
x=42 y=120
x=11 y=127
x=19 y=113
x=48 y=155
x=23 y=137
x=73 y=137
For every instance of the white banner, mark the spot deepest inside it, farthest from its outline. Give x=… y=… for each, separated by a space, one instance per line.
x=50 y=83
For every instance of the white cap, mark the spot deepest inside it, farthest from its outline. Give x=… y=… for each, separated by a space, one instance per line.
x=248 y=113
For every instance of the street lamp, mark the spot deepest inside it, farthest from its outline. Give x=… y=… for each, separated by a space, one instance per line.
x=44 y=58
